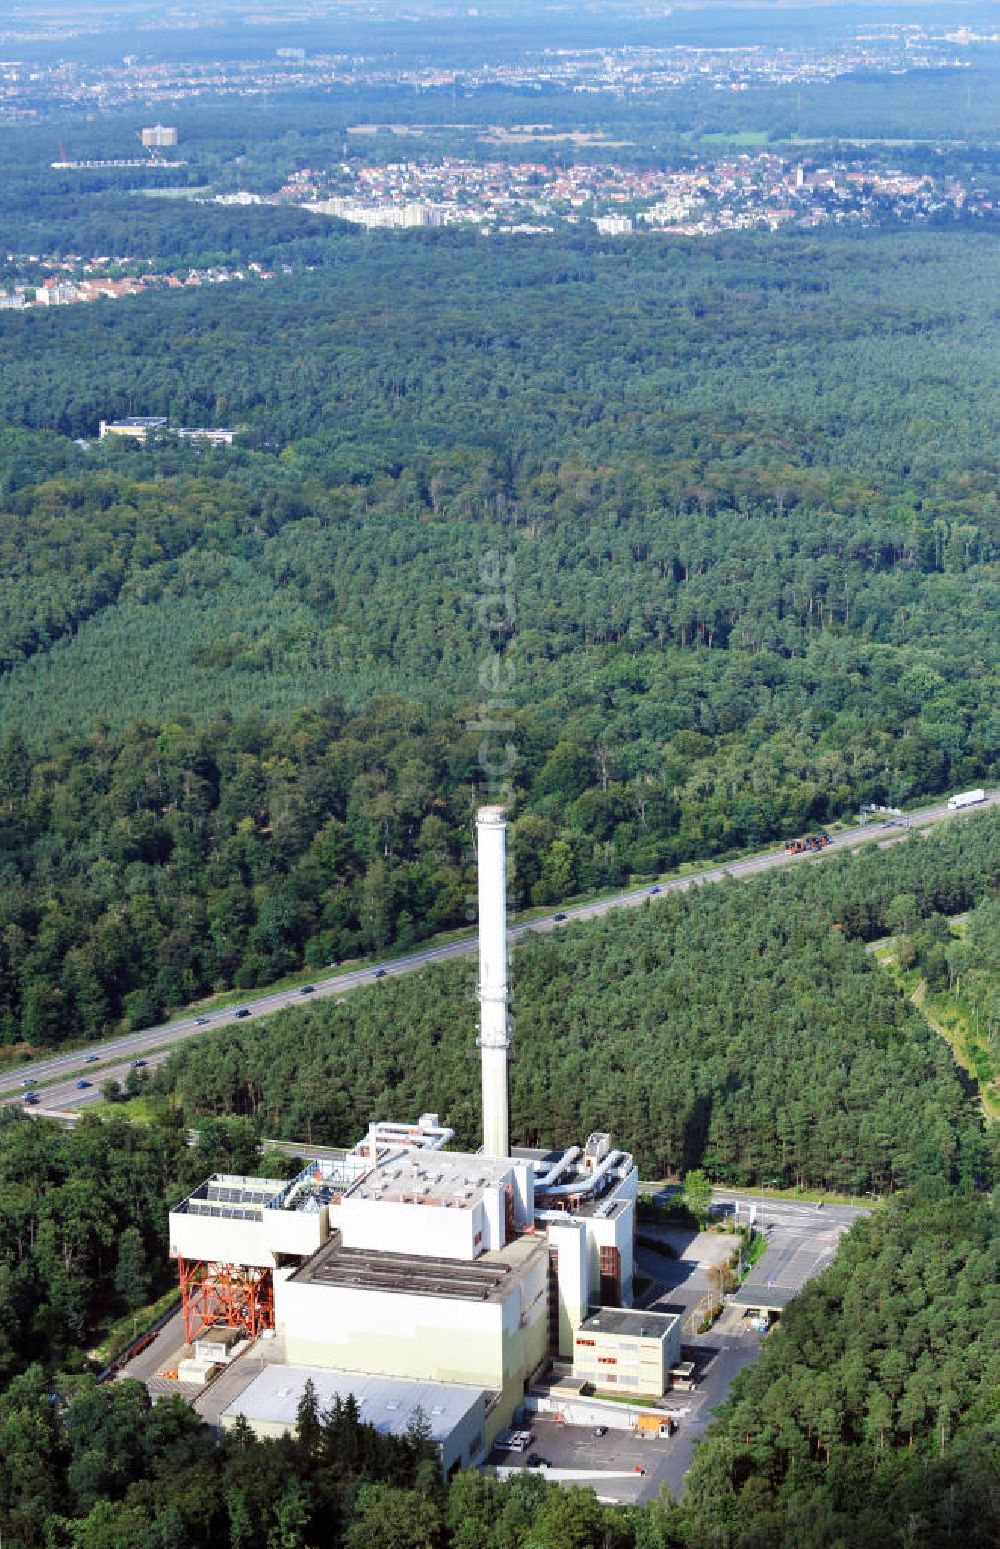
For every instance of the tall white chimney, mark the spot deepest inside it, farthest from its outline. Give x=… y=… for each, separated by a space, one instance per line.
x=494 y=1026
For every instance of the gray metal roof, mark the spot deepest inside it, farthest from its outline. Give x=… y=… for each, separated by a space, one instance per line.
x=387 y=1403
x=374 y=1269
x=631 y=1321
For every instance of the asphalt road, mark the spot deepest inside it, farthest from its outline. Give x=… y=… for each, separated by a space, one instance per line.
x=57 y=1076
x=802 y=1240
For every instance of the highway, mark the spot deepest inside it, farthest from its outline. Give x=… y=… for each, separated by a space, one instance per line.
x=56 y=1076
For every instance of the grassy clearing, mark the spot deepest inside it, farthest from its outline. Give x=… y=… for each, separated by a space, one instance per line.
x=745 y=137
x=144 y=1109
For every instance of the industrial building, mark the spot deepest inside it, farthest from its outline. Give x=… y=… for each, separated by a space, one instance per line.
x=140 y=425
x=402 y=1266
x=158 y=137
x=633 y=1352
x=137 y=425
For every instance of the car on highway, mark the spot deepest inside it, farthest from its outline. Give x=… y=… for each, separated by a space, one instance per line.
x=241 y=1012
x=558 y=917
x=82 y=1085
x=379 y=973
x=138 y=1064
x=91 y=1059
x=31 y=1097
x=202 y=1021
x=654 y=889
x=308 y=989
x=25 y=1080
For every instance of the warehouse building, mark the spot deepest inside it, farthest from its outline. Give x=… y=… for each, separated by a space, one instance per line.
x=455 y=1415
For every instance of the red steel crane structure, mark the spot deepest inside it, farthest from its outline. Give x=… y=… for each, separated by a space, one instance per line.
x=237 y=1295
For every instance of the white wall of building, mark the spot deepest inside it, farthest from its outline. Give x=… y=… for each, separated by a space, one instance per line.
x=219 y=1240
x=429 y=1231
x=568 y=1237
x=494 y=1344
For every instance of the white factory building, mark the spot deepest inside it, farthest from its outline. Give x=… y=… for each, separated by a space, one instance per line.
x=402 y=1265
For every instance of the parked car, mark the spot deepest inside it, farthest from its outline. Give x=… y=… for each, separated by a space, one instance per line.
x=535 y=1461
x=600 y=1430
x=82 y=1085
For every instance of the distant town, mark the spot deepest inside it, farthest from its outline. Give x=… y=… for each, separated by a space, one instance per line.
x=76 y=279
x=29 y=88
x=733 y=193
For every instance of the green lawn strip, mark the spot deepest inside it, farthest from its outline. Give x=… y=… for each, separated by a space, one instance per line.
x=121 y=1333
x=950 y=1018
x=753 y=1252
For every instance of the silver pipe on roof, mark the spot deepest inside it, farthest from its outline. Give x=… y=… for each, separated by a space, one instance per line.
x=586 y=1185
x=545 y=1180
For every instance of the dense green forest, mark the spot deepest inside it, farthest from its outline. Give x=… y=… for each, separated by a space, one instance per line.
x=866 y=1421
x=875 y=1405
x=83 y=1224
x=721 y=525
x=741 y=1028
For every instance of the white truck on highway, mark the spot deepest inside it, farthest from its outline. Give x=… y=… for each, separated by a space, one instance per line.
x=965 y=799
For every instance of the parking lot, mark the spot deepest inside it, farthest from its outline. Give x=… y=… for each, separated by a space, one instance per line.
x=606 y=1464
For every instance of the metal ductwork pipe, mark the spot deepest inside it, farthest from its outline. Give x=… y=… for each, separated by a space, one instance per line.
x=494 y=1023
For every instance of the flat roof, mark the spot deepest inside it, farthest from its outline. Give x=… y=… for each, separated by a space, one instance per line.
x=433 y=1178
x=371 y=1269
x=774 y=1298
x=220 y=1335
x=237 y=1198
x=230 y=1195
x=387 y=1403
x=629 y=1320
